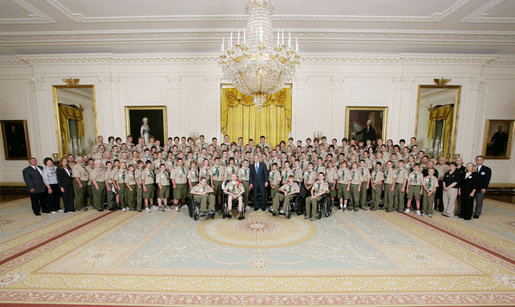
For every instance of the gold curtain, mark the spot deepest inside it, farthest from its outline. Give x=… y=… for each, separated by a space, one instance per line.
x=67 y=112
x=241 y=118
x=444 y=113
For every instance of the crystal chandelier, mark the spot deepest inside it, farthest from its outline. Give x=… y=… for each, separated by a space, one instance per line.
x=261 y=65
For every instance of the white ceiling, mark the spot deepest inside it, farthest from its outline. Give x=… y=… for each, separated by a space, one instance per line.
x=197 y=26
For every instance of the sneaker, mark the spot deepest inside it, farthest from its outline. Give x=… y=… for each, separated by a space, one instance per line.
x=127 y=209
x=153 y=208
x=356 y=209
x=418 y=212
x=60 y=210
x=407 y=211
x=202 y=213
x=53 y=212
x=341 y=206
x=430 y=215
x=147 y=210
x=162 y=209
x=240 y=216
x=124 y=209
x=344 y=207
x=422 y=214
x=177 y=208
x=282 y=212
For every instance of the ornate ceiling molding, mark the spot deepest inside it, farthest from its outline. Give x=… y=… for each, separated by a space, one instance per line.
x=306 y=35
x=81 y=18
x=481 y=14
x=109 y=58
x=35 y=16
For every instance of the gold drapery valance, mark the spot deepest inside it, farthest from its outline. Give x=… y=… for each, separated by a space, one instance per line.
x=240 y=117
x=444 y=113
x=67 y=112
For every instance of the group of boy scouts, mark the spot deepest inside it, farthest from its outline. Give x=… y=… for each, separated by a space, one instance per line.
x=355 y=175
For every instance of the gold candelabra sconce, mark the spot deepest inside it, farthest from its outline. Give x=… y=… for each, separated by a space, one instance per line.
x=441 y=82
x=71 y=81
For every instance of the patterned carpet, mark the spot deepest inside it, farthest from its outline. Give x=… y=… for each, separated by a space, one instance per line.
x=350 y=258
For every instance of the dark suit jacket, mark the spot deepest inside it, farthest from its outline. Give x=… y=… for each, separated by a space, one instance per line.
x=63 y=179
x=469 y=184
x=259 y=178
x=33 y=179
x=485 y=174
x=370 y=135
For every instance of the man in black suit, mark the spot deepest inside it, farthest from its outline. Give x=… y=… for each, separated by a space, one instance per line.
x=258 y=182
x=369 y=133
x=33 y=177
x=485 y=174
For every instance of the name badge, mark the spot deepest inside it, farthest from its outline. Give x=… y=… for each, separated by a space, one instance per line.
x=482 y=173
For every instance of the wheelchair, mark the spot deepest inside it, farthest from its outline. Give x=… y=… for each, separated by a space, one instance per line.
x=295 y=205
x=324 y=206
x=225 y=203
x=194 y=209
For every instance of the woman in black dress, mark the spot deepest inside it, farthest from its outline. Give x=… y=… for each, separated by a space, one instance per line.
x=467 y=190
x=65 y=182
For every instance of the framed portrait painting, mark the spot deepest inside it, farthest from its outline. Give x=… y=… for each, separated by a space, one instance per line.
x=146 y=121
x=498 y=137
x=15 y=139
x=366 y=123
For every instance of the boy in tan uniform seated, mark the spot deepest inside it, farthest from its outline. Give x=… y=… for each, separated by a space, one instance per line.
x=320 y=187
x=234 y=189
x=289 y=189
x=203 y=193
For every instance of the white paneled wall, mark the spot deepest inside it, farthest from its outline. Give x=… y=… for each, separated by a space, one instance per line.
x=190 y=88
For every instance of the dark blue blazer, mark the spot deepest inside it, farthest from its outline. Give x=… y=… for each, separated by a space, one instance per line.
x=259 y=178
x=33 y=179
x=485 y=174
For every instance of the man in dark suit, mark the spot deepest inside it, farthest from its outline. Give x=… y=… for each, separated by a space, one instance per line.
x=485 y=174
x=33 y=177
x=369 y=133
x=258 y=182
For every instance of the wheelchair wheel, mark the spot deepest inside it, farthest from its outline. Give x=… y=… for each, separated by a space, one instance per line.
x=320 y=207
x=288 y=211
x=196 y=212
x=328 y=207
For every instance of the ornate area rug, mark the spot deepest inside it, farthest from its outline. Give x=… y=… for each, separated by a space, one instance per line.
x=350 y=258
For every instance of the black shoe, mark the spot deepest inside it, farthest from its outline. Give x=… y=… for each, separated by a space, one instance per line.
x=355 y=209
x=45 y=211
x=240 y=216
x=38 y=214
x=373 y=209
x=263 y=209
x=476 y=216
x=100 y=210
x=256 y=209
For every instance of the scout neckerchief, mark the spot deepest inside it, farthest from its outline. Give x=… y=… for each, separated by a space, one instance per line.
x=375 y=175
x=416 y=178
x=289 y=188
x=353 y=173
x=429 y=180
x=217 y=172
x=196 y=173
x=245 y=173
x=232 y=169
x=318 y=188
x=182 y=168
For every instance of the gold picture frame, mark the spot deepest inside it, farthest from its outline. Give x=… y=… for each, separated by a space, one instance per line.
x=61 y=139
x=503 y=150
x=16 y=144
x=358 y=116
x=156 y=116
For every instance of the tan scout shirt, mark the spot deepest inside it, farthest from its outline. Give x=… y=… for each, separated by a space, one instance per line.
x=199 y=188
x=229 y=170
x=355 y=176
x=285 y=173
x=331 y=175
x=430 y=182
x=389 y=176
x=193 y=175
x=98 y=175
x=415 y=178
x=275 y=177
x=120 y=176
x=320 y=169
x=80 y=172
x=288 y=188
x=89 y=169
x=298 y=173
x=365 y=174
x=401 y=175
x=204 y=172
x=320 y=186
x=138 y=175
x=163 y=178
x=130 y=178
x=309 y=177
x=217 y=172
x=244 y=174
x=377 y=176
x=147 y=176
x=179 y=174
x=344 y=176
x=234 y=187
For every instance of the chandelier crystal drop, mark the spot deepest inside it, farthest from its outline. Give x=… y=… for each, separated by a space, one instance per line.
x=259 y=61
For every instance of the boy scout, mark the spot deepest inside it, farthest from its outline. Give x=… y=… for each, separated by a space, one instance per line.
x=244 y=177
x=234 y=189
x=80 y=183
x=320 y=187
x=413 y=190
x=377 y=186
x=429 y=185
x=400 y=186
x=286 y=192
x=110 y=173
x=354 y=186
x=309 y=179
x=139 y=184
x=217 y=178
x=365 y=184
x=331 y=178
x=179 y=182
x=193 y=176
x=89 y=168
x=389 y=186
x=147 y=180
x=343 y=182
x=203 y=193
x=231 y=168
x=130 y=189
x=119 y=181
x=163 y=182
x=275 y=180
x=286 y=172
x=97 y=177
